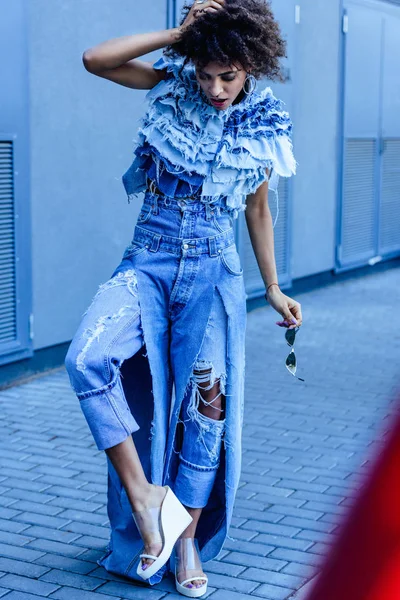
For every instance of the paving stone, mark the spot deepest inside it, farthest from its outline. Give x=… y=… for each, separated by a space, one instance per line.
x=28 y=584
x=231 y=583
x=273 y=592
x=12 y=526
x=65 y=563
x=8 y=513
x=18 y=552
x=56 y=547
x=14 y=539
x=83 y=582
x=247 y=560
x=88 y=530
x=47 y=533
x=24 y=484
x=53 y=480
x=296 y=556
x=85 y=505
x=222 y=568
x=69 y=593
x=18 y=567
x=272 y=528
x=283 y=542
x=279 y=579
x=24 y=596
x=91 y=542
x=21 y=494
x=83 y=517
x=38 y=519
x=229 y=595
x=34 y=507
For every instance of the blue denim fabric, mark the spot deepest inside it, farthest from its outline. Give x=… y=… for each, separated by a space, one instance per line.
x=179 y=293
x=172 y=182
x=229 y=149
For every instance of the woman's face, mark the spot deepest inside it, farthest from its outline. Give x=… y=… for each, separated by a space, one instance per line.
x=221 y=82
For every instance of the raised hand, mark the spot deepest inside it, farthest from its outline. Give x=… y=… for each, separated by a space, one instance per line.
x=198 y=8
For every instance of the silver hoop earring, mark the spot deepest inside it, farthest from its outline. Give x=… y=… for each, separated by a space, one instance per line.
x=251 y=81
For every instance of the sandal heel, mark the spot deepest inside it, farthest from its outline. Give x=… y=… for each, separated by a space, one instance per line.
x=173 y=520
x=195 y=564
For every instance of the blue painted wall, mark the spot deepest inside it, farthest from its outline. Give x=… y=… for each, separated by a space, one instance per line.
x=316 y=137
x=82 y=132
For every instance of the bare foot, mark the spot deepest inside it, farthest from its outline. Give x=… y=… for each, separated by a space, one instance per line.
x=188 y=563
x=146 y=515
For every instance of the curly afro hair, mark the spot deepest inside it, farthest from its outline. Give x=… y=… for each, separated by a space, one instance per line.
x=243 y=31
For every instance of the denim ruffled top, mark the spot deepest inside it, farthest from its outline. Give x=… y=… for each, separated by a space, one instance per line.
x=187 y=146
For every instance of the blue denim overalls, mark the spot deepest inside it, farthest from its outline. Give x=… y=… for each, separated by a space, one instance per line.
x=178 y=293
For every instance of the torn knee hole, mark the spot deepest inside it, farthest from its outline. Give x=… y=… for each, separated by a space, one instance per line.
x=209 y=392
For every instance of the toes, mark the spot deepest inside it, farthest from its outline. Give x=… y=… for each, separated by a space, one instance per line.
x=146 y=562
x=196 y=583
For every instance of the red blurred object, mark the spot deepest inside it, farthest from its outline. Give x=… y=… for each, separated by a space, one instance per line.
x=364 y=564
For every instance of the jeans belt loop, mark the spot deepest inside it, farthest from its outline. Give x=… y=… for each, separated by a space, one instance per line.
x=155 y=243
x=154 y=207
x=152 y=186
x=212 y=246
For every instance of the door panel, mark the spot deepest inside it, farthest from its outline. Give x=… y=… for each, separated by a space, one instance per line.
x=370 y=213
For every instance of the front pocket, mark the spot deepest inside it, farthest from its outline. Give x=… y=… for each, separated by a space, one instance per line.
x=222 y=222
x=133 y=249
x=231 y=260
x=144 y=215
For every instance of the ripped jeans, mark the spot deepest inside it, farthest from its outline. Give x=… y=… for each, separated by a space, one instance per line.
x=172 y=243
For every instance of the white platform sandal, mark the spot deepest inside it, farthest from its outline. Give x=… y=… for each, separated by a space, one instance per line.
x=170 y=520
x=185 y=559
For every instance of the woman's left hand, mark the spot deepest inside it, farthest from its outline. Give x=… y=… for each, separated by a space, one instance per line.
x=288 y=308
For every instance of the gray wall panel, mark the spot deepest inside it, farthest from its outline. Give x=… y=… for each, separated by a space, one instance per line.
x=82 y=129
x=316 y=99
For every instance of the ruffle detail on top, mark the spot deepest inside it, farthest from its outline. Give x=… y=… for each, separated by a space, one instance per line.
x=227 y=150
x=170 y=182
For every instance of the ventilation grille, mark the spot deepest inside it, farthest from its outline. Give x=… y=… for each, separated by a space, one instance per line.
x=389 y=234
x=358 y=217
x=252 y=278
x=7 y=245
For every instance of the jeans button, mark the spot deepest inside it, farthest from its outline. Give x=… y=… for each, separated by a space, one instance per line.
x=185 y=246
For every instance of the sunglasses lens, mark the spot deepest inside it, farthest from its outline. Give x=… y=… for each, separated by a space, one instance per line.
x=291 y=362
x=290 y=334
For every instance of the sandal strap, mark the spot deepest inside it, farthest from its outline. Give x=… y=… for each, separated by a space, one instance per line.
x=148 y=556
x=192 y=579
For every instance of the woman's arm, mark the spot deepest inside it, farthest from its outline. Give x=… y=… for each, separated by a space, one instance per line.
x=116 y=59
x=259 y=224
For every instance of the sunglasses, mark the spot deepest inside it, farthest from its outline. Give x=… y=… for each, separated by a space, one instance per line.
x=291 y=365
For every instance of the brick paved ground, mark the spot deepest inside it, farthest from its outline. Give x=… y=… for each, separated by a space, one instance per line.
x=306 y=447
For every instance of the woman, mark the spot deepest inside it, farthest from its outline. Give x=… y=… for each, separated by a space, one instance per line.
x=207 y=146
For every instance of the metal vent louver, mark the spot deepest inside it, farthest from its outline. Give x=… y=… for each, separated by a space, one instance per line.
x=7 y=245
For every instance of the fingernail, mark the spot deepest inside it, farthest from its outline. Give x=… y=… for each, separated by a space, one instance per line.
x=294 y=321
x=144 y=567
x=190 y=585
